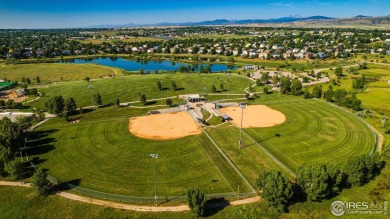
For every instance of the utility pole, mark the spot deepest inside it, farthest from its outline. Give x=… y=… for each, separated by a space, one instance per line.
x=155 y=156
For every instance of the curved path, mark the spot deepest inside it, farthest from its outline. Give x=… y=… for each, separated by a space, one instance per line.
x=93 y=201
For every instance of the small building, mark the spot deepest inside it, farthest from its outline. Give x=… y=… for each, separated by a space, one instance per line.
x=194 y=98
x=321 y=55
x=226 y=117
x=249 y=67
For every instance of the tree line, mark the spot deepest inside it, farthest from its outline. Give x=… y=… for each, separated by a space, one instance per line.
x=317 y=182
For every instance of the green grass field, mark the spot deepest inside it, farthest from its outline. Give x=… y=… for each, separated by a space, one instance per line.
x=250 y=160
x=128 y=88
x=110 y=159
x=21 y=203
x=52 y=72
x=103 y=155
x=129 y=40
x=376 y=94
x=314 y=132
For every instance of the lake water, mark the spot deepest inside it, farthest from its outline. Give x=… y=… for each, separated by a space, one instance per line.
x=151 y=65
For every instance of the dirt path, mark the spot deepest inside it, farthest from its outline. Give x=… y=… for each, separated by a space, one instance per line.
x=388 y=81
x=127 y=206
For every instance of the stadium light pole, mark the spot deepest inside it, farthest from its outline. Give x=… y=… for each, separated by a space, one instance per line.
x=228 y=86
x=160 y=91
x=155 y=156
x=242 y=106
x=384 y=119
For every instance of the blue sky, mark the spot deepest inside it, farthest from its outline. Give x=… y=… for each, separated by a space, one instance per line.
x=82 y=13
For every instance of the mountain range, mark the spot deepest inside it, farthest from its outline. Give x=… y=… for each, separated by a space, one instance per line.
x=221 y=22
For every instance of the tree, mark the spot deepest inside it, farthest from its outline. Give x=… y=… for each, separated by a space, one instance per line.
x=315 y=181
x=328 y=95
x=87 y=79
x=169 y=102
x=339 y=95
x=28 y=81
x=40 y=182
x=208 y=69
x=355 y=102
x=174 y=85
x=264 y=77
x=361 y=169
x=55 y=104
x=359 y=83
x=159 y=85
x=337 y=177
x=338 y=71
x=317 y=91
x=296 y=87
x=141 y=71
x=275 y=80
x=363 y=65
x=14 y=168
x=10 y=104
x=265 y=90
x=276 y=188
x=196 y=201
x=143 y=99
x=97 y=99
x=307 y=94
x=70 y=105
x=285 y=84
x=37 y=79
x=221 y=86
x=247 y=96
x=117 y=102
x=33 y=91
x=213 y=88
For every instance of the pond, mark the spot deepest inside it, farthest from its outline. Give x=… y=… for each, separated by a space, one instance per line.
x=150 y=65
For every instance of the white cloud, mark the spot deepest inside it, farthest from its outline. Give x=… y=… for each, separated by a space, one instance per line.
x=282 y=4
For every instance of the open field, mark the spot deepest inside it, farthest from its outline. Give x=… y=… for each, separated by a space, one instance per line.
x=20 y=202
x=129 y=88
x=376 y=94
x=129 y=40
x=110 y=159
x=250 y=160
x=314 y=132
x=54 y=72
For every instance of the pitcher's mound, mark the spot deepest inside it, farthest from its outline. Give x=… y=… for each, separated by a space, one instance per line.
x=254 y=116
x=166 y=126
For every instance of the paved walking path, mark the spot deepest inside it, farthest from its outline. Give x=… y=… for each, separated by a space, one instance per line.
x=93 y=201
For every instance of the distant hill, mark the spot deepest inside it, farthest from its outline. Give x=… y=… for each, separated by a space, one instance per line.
x=313 y=21
x=222 y=22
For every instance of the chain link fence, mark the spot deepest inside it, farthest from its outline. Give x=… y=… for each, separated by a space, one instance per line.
x=138 y=199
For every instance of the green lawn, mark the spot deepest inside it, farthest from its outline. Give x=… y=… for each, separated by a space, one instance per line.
x=250 y=160
x=21 y=203
x=52 y=72
x=101 y=154
x=314 y=132
x=128 y=88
